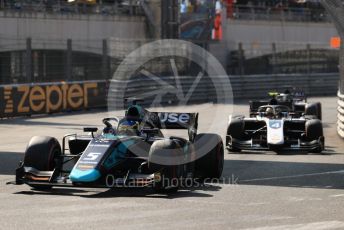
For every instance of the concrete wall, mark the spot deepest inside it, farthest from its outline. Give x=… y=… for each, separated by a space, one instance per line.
x=51 y=31
x=257 y=37
x=288 y=35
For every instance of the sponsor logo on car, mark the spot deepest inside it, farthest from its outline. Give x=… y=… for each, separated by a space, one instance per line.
x=174 y=117
x=275 y=124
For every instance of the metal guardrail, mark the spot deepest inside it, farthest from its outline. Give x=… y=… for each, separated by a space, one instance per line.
x=27 y=99
x=340 y=115
x=244 y=87
x=257 y=86
x=129 y=7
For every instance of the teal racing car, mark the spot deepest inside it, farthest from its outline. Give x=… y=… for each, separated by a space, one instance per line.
x=128 y=152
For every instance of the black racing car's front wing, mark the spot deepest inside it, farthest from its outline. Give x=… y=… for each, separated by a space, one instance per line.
x=36 y=178
x=302 y=146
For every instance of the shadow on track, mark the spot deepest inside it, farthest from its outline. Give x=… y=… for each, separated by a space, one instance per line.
x=34 y=120
x=125 y=192
x=329 y=150
x=9 y=162
x=286 y=174
x=236 y=173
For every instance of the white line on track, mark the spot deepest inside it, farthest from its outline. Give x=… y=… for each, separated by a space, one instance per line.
x=293 y=176
x=310 y=226
x=338 y=195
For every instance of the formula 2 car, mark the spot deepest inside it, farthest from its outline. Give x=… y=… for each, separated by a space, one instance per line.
x=295 y=100
x=131 y=153
x=275 y=128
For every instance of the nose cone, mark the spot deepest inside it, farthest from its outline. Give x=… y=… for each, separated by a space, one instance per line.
x=276 y=140
x=275 y=132
x=90 y=175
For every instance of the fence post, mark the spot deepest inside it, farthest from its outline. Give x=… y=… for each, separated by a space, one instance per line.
x=105 y=72
x=253 y=13
x=28 y=60
x=59 y=6
x=69 y=60
x=131 y=7
x=309 y=66
x=309 y=70
x=274 y=59
x=241 y=59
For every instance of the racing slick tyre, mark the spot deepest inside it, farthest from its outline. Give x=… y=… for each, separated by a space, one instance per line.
x=41 y=154
x=314 y=109
x=169 y=171
x=210 y=165
x=235 y=130
x=314 y=131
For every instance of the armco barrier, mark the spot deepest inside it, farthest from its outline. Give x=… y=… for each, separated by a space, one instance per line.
x=45 y=98
x=341 y=114
x=243 y=87
x=257 y=86
x=27 y=99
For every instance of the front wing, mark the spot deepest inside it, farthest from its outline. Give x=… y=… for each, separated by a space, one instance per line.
x=302 y=146
x=33 y=177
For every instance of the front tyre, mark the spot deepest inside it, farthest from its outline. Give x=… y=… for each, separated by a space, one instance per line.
x=235 y=130
x=42 y=154
x=210 y=165
x=314 y=131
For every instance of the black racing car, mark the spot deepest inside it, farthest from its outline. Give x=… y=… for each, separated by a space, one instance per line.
x=133 y=153
x=275 y=128
x=296 y=100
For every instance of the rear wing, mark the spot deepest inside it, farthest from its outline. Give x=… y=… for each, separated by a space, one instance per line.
x=171 y=120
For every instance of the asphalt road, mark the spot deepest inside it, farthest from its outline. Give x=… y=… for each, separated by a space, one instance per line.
x=261 y=191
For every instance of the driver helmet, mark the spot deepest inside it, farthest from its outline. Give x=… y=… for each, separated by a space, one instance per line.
x=273 y=101
x=269 y=112
x=128 y=127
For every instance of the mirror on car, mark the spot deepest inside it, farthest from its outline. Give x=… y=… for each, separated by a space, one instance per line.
x=90 y=129
x=150 y=131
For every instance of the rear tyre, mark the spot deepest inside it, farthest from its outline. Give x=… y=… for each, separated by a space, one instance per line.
x=314 y=109
x=41 y=154
x=314 y=131
x=235 y=130
x=319 y=110
x=169 y=173
x=210 y=165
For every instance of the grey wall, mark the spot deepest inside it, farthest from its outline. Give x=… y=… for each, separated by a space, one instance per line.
x=52 y=31
x=260 y=33
x=257 y=37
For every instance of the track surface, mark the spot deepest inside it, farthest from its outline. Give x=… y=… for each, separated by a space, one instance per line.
x=270 y=192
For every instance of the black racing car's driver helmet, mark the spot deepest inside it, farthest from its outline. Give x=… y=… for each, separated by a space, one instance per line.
x=269 y=112
x=133 y=114
x=273 y=101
